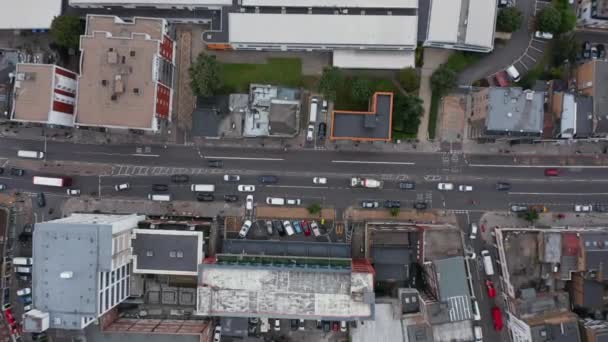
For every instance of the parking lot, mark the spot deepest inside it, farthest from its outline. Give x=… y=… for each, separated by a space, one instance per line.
x=297 y=330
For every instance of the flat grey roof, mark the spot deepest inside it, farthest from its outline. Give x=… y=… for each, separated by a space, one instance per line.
x=283 y=248
x=167 y=252
x=391 y=263
x=453 y=288
x=513 y=111
x=372 y=125
x=600 y=101
x=584 y=116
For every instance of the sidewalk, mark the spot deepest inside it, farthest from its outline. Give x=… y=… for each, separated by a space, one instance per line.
x=433 y=58
x=413 y=216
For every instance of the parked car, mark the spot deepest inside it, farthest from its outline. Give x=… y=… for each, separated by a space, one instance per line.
x=297 y=227
x=180 y=178
x=249 y=202
x=310 y=132
x=445 y=186
x=326 y=326
x=335 y=326
x=497 y=318
x=315 y=228
x=601 y=51
x=465 y=188
x=306 y=228
x=231 y=198
x=491 y=289
x=41 y=200
x=215 y=163
x=319 y=180
x=518 y=208
x=24 y=291
x=474 y=229
x=543 y=35
x=343 y=326
x=594 y=53
x=269 y=227
x=245 y=228
x=278 y=227
x=420 y=205
x=407 y=185
x=502 y=186
x=586 y=53
x=294 y=324
x=1 y=170
x=73 y=192
x=600 y=208
x=369 y=204
x=160 y=187
x=551 y=172
x=245 y=188
x=392 y=204
x=17 y=172
x=2 y=186
x=502 y=79
x=217 y=334
x=277 y=324
x=322 y=132
x=301 y=324
x=232 y=178
x=204 y=197
x=583 y=208
x=293 y=201
x=122 y=187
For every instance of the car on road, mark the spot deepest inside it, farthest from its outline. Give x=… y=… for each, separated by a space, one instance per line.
x=215 y=163
x=600 y=208
x=245 y=228
x=497 y=318
x=322 y=132
x=445 y=186
x=474 y=229
x=160 y=187
x=465 y=188
x=269 y=227
x=249 y=202
x=326 y=326
x=41 y=200
x=543 y=35
x=2 y=186
x=491 y=289
x=217 y=334
x=17 y=172
x=269 y=179
x=245 y=188
x=204 y=197
x=551 y=172
x=392 y=204
x=310 y=132
x=502 y=186
x=231 y=198
x=73 y=192
x=407 y=185
x=232 y=178
x=315 y=228
x=369 y=204
x=297 y=227
x=122 y=187
x=516 y=208
x=180 y=178
x=583 y=208
x=594 y=53
x=293 y=201
x=319 y=180
x=420 y=205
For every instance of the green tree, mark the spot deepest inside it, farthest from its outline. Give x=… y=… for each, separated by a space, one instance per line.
x=509 y=19
x=568 y=17
x=409 y=80
x=549 y=19
x=394 y=211
x=331 y=80
x=531 y=215
x=442 y=80
x=66 y=31
x=361 y=89
x=205 y=79
x=314 y=208
x=565 y=48
x=406 y=113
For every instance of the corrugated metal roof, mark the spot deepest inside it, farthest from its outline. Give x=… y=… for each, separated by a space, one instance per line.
x=444 y=19
x=29 y=14
x=334 y=3
x=480 y=23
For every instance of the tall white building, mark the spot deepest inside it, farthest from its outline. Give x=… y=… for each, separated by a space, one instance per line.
x=81 y=269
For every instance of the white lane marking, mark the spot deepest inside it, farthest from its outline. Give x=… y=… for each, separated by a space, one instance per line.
x=560 y=193
x=297 y=186
x=243 y=158
x=121 y=154
x=542 y=166
x=371 y=162
x=145 y=155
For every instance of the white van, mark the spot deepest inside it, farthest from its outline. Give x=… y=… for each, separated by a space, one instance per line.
x=474 y=229
x=23 y=270
x=275 y=201
x=30 y=154
x=21 y=261
x=203 y=187
x=487 y=262
x=478 y=333
x=264 y=326
x=513 y=73
x=159 y=197
x=314 y=103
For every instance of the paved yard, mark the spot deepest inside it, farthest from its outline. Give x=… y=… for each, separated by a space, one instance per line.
x=452 y=121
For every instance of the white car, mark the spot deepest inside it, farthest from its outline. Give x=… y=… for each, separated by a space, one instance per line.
x=27 y=308
x=2 y=186
x=465 y=188
x=245 y=228
x=319 y=180
x=343 y=327
x=543 y=35
x=445 y=186
x=122 y=187
x=315 y=228
x=583 y=208
x=73 y=192
x=293 y=201
x=232 y=178
x=474 y=229
x=310 y=132
x=245 y=188
x=217 y=334
x=277 y=324
x=24 y=292
x=249 y=202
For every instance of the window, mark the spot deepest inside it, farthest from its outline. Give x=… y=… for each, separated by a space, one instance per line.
x=132 y=53
x=107 y=301
x=149 y=253
x=113 y=299
x=172 y=254
x=107 y=279
x=180 y=254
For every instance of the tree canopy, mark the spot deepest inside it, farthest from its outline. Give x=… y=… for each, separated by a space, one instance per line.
x=66 y=31
x=409 y=80
x=361 y=89
x=442 y=80
x=330 y=82
x=509 y=19
x=407 y=111
x=205 y=78
x=549 y=19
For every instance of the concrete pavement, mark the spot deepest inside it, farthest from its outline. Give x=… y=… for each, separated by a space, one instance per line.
x=433 y=58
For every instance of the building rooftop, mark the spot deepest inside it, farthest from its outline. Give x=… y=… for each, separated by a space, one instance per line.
x=174 y=252
x=392 y=262
x=153 y=2
x=453 y=288
x=334 y=3
x=249 y=291
x=568 y=120
x=384 y=326
x=332 y=30
x=33 y=94
x=557 y=327
x=124 y=29
x=584 y=116
x=513 y=111
x=366 y=59
x=600 y=101
x=284 y=248
x=595 y=249
x=374 y=125
x=29 y=14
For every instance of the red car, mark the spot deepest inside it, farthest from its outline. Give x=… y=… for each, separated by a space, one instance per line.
x=10 y=319
x=502 y=78
x=335 y=326
x=497 y=317
x=551 y=172
x=491 y=289
x=306 y=228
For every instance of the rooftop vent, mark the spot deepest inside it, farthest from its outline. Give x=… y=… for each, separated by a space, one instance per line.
x=66 y=275
x=112 y=57
x=136 y=91
x=529 y=96
x=132 y=53
x=509 y=114
x=104 y=83
x=113 y=97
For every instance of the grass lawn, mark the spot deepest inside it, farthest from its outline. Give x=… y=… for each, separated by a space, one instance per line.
x=433 y=115
x=278 y=71
x=345 y=101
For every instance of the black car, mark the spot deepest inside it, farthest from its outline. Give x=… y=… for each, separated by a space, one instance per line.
x=41 y=200
x=204 y=197
x=160 y=187
x=601 y=50
x=501 y=186
x=600 y=208
x=326 y=326
x=215 y=163
x=294 y=324
x=1 y=170
x=17 y=172
x=420 y=205
x=322 y=132
x=180 y=178
x=278 y=226
x=407 y=185
x=269 y=179
x=392 y=204
x=231 y=198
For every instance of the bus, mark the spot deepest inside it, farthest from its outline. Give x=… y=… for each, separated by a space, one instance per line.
x=53 y=181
